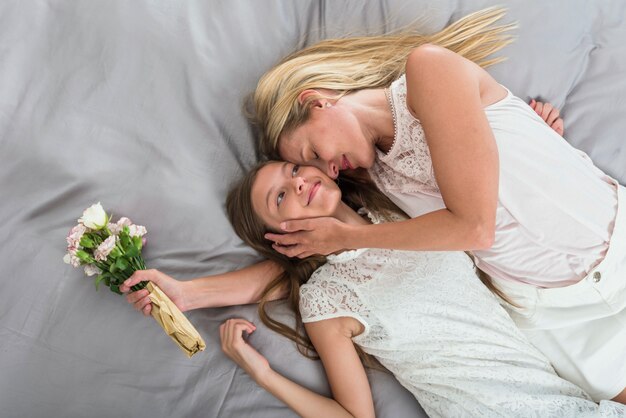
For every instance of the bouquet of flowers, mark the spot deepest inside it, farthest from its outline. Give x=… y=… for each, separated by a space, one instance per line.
x=112 y=252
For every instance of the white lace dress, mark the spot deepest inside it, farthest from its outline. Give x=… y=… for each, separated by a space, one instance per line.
x=434 y=325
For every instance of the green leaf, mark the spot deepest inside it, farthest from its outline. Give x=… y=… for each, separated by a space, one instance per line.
x=125 y=241
x=86 y=242
x=137 y=242
x=98 y=280
x=132 y=252
x=115 y=252
x=115 y=288
x=113 y=269
x=121 y=263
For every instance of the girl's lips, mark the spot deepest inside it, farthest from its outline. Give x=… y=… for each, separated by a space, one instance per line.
x=313 y=191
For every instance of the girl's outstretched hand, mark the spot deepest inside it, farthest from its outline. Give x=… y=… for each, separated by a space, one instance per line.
x=550 y=114
x=306 y=237
x=239 y=351
x=140 y=300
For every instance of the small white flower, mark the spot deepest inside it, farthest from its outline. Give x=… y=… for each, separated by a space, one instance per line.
x=104 y=249
x=91 y=270
x=137 y=230
x=94 y=217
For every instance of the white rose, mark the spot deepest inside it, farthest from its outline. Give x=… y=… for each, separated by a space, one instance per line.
x=91 y=270
x=94 y=217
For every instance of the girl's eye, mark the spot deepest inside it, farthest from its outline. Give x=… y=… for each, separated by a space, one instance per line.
x=294 y=170
x=280 y=197
x=315 y=156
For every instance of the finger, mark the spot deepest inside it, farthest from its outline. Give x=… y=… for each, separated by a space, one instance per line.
x=136 y=277
x=532 y=103
x=139 y=305
x=237 y=334
x=547 y=108
x=539 y=108
x=289 y=251
x=284 y=239
x=133 y=297
x=558 y=126
x=296 y=225
x=552 y=116
x=147 y=309
x=222 y=332
x=280 y=249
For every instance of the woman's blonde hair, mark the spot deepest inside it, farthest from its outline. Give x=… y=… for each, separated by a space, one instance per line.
x=349 y=64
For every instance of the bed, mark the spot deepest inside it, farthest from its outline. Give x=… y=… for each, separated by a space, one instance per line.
x=138 y=105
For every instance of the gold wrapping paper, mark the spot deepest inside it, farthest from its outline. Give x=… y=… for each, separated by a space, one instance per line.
x=175 y=324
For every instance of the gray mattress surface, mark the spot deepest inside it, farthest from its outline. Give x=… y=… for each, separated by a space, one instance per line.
x=138 y=105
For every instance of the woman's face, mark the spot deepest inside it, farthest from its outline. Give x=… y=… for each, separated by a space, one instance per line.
x=331 y=139
x=284 y=191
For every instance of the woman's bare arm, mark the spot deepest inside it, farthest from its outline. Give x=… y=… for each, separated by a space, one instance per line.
x=445 y=92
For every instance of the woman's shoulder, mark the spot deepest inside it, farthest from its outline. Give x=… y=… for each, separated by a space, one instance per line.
x=430 y=68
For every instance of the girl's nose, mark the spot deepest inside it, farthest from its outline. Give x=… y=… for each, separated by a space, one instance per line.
x=299 y=182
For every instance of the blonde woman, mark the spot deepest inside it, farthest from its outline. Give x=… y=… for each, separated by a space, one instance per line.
x=425 y=316
x=475 y=168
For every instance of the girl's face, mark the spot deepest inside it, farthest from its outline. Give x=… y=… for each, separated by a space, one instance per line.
x=331 y=139
x=284 y=191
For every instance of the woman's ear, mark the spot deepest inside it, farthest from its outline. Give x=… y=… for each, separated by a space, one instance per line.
x=313 y=98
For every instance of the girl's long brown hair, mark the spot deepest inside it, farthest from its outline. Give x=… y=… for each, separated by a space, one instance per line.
x=251 y=229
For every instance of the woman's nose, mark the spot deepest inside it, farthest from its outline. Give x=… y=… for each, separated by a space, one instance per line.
x=333 y=170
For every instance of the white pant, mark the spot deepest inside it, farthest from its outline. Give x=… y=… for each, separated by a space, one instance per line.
x=581 y=328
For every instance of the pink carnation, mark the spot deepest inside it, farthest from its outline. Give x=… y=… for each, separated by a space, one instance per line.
x=104 y=249
x=73 y=238
x=71 y=259
x=123 y=221
x=137 y=230
x=114 y=228
x=91 y=270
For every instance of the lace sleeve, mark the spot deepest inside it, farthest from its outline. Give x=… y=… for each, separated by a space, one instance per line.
x=323 y=298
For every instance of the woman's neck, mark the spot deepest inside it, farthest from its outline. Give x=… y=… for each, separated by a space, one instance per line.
x=372 y=110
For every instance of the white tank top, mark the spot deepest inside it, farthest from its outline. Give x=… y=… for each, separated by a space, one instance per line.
x=555 y=211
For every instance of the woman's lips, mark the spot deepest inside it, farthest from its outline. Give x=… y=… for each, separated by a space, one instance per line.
x=313 y=191
x=345 y=164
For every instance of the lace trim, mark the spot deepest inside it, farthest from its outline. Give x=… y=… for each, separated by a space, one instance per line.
x=392 y=108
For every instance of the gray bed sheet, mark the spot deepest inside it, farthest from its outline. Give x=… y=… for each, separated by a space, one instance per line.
x=138 y=105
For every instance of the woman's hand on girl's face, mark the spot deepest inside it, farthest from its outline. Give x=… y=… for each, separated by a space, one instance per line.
x=306 y=237
x=239 y=351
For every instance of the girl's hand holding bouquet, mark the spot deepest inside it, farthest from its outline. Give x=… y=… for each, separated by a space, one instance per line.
x=112 y=253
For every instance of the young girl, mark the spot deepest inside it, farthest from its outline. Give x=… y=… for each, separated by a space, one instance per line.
x=475 y=168
x=425 y=316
